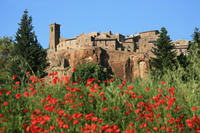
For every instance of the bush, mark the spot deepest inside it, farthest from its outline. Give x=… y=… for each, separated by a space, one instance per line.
x=89 y=70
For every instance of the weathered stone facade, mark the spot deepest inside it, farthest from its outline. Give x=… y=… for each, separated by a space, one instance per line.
x=125 y=57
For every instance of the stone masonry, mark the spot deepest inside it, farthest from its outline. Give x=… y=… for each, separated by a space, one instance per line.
x=125 y=57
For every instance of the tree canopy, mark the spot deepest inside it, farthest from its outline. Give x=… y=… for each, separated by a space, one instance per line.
x=164 y=55
x=28 y=50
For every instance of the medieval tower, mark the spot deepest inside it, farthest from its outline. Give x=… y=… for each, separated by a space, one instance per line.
x=54 y=36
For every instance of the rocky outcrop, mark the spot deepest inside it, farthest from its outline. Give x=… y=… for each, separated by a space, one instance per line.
x=124 y=65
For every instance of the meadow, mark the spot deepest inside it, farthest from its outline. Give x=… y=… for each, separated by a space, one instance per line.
x=56 y=105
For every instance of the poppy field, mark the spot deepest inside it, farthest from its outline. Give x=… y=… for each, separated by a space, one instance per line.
x=55 y=105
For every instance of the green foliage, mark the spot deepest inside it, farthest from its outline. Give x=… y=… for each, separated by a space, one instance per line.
x=182 y=60
x=192 y=59
x=165 y=57
x=6 y=51
x=196 y=36
x=28 y=48
x=88 y=71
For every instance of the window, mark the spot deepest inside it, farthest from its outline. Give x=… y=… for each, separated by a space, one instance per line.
x=70 y=42
x=79 y=40
x=86 y=40
x=106 y=43
x=51 y=29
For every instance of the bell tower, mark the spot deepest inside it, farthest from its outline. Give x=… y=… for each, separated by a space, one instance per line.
x=54 y=35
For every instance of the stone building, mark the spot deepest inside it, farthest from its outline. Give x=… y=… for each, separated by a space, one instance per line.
x=181 y=46
x=139 y=43
x=125 y=57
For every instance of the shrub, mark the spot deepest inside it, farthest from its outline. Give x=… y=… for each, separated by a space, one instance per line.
x=89 y=70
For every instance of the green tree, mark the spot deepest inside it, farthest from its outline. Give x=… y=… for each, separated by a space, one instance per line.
x=89 y=70
x=193 y=57
x=165 y=57
x=196 y=36
x=28 y=50
x=195 y=43
x=6 y=50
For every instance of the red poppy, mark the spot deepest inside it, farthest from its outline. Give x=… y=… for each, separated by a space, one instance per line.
x=75 y=122
x=5 y=103
x=131 y=124
x=194 y=108
x=147 y=89
x=18 y=82
x=8 y=93
x=163 y=82
x=28 y=73
x=18 y=96
x=14 y=77
x=105 y=109
x=74 y=69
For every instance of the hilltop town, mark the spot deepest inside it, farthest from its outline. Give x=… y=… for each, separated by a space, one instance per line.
x=131 y=53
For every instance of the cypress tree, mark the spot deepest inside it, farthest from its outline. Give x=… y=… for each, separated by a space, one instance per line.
x=164 y=56
x=28 y=48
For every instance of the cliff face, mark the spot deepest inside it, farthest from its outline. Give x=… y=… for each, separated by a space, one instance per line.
x=124 y=65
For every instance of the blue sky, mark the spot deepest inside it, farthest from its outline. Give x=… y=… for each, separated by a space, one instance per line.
x=127 y=17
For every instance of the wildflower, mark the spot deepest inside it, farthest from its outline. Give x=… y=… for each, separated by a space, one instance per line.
x=126 y=113
x=18 y=82
x=75 y=122
x=194 y=108
x=143 y=125
x=168 y=115
x=163 y=82
x=66 y=126
x=155 y=128
x=115 y=108
x=18 y=96
x=103 y=98
x=28 y=72
x=159 y=90
x=109 y=130
x=1 y=115
x=130 y=131
x=131 y=124
x=5 y=103
x=147 y=89
x=74 y=69
x=8 y=93
x=14 y=77
x=55 y=73
x=101 y=94
x=111 y=80
x=105 y=109
x=80 y=104
x=26 y=94
x=137 y=111
x=74 y=106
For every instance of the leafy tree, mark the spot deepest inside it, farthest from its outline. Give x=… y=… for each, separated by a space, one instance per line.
x=89 y=70
x=6 y=50
x=194 y=56
x=165 y=57
x=195 y=43
x=196 y=36
x=182 y=60
x=28 y=50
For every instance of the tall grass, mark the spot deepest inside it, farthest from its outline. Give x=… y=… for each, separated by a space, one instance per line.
x=56 y=105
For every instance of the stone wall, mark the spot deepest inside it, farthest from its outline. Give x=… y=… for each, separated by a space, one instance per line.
x=124 y=65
